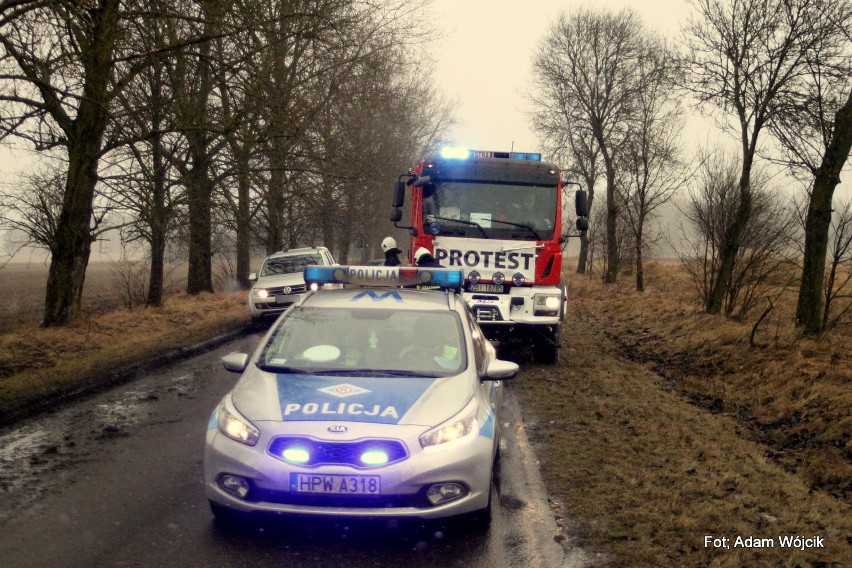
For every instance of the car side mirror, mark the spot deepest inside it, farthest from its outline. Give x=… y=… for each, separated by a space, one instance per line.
x=396 y=215
x=235 y=362
x=253 y=277
x=582 y=224
x=500 y=370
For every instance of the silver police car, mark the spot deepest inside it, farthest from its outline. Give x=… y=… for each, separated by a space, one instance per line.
x=370 y=401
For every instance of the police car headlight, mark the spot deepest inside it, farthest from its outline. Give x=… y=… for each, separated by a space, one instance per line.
x=261 y=293
x=518 y=279
x=474 y=277
x=235 y=426
x=461 y=428
x=499 y=278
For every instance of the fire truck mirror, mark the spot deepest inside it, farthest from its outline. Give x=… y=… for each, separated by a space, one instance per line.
x=581 y=203
x=399 y=194
x=582 y=224
x=396 y=215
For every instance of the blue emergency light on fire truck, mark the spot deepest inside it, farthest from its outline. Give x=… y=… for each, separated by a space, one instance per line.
x=497 y=216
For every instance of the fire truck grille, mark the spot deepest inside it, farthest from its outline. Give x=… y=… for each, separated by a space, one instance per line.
x=487 y=314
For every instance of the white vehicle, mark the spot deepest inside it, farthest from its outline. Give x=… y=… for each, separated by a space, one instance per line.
x=280 y=282
x=362 y=401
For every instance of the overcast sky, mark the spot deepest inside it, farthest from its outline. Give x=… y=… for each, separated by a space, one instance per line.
x=485 y=60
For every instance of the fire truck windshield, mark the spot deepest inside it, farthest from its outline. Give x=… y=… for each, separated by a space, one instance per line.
x=490 y=210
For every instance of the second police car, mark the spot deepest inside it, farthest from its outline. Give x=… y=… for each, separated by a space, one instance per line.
x=372 y=401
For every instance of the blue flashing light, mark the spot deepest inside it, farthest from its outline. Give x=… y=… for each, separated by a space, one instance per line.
x=296 y=455
x=455 y=153
x=446 y=278
x=374 y=457
x=383 y=276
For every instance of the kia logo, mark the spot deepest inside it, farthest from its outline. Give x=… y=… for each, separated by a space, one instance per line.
x=338 y=429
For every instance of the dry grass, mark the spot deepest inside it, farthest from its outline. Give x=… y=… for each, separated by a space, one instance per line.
x=38 y=363
x=662 y=425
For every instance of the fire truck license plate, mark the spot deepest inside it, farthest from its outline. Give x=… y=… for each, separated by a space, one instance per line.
x=486 y=288
x=337 y=484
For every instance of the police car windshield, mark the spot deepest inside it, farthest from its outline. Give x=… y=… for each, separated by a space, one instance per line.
x=379 y=342
x=501 y=211
x=289 y=264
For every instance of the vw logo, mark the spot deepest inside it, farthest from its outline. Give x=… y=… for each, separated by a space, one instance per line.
x=287 y=289
x=338 y=429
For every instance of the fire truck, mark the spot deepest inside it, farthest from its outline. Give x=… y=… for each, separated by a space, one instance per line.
x=497 y=216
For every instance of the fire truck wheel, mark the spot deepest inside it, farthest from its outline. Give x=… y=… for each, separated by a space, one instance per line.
x=546 y=349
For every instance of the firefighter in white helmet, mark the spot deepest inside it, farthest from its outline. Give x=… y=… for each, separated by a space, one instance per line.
x=424 y=258
x=391 y=252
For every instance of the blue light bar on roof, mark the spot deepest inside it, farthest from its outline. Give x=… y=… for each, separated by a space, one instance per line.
x=384 y=276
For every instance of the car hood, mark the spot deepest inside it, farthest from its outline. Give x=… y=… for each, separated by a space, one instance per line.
x=262 y=396
x=280 y=280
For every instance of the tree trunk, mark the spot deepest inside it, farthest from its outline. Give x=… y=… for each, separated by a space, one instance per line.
x=640 y=270
x=159 y=220
x=611 y=229
x=199 y=189
x=733 y=232
x=809 y=312
x=243 y=223
x=72 y=240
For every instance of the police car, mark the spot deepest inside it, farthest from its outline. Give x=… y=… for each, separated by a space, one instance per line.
x=373 y=400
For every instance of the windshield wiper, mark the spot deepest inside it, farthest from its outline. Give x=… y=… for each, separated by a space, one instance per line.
x=527 y=227
x=463 y=222
x=285 y=369
x=374 y=373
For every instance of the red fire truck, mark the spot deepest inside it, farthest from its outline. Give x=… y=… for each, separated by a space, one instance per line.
x=498 y=216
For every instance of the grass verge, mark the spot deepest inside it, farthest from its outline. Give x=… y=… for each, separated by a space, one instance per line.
x=40 y=367
x=661 y=426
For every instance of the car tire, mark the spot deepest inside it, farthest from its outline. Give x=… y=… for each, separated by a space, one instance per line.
x=481 y=520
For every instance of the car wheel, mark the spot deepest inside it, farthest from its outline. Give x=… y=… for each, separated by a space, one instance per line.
x=481 y=520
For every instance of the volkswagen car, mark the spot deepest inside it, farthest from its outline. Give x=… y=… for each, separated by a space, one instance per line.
x=373 y=400
x=280 y=282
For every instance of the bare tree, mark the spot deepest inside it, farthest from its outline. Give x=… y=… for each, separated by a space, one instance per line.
x=56 y=84
x=765 y=249
x=814 y=126
x=650 y=158
x=742 y=55
x=573 y=144
x=838 y=280
x=587 y=68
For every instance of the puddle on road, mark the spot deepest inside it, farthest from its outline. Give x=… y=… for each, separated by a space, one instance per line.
x=40 y=455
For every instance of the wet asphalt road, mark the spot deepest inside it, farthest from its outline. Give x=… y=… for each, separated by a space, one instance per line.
x=117 y=480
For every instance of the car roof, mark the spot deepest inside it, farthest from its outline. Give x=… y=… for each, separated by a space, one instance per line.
x=397 y=299
x=296 y=252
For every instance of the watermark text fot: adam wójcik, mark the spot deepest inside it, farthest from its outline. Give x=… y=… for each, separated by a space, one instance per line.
x=795 y=542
